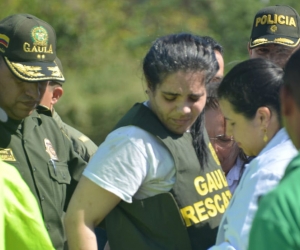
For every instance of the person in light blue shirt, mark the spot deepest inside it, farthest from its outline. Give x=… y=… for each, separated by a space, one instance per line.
x=249 y=100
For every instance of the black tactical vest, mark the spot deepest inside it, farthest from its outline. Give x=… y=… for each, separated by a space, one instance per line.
x=188 y=216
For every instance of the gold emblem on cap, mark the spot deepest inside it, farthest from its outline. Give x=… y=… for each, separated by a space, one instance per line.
x=260 y=40
x=50 y=150
x=31 y=71
x=273 y=28
x=283 y=40
x=55 y=71
x=39 y=36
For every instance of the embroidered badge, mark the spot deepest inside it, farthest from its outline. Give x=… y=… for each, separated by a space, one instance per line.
x=283 y=40
x=31 y=71
x=50 y=150
x=260 y=40
x=214 y=154
x=39 y=36
x=273 y=28
x=6 y=154
x=55 y=71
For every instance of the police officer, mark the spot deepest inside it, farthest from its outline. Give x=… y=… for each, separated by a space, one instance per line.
x=33 y=142
x=83 y=145
x=275 y=34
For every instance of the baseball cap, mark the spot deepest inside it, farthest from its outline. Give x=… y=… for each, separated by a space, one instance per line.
x=28 y=46
x=278 y=24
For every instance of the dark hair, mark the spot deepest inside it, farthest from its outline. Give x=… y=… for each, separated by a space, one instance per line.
x=198 y=127
x=292 y=76
x=252 y=84
x=212 y=101
x=213 y=43
x=182 y=52
x=178 y=52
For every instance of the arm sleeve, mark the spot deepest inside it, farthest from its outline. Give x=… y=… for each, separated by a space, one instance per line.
x=119 y=166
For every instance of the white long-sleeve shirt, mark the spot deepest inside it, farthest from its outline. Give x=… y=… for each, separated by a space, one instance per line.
x=261 y=175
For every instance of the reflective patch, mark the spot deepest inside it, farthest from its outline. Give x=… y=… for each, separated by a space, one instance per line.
x=7 y=155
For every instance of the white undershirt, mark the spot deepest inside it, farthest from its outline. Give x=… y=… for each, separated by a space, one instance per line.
x=132 y=163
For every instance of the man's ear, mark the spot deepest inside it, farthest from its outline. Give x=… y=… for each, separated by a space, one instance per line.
x=286 y=101
x=249 y=50
x=57 y=93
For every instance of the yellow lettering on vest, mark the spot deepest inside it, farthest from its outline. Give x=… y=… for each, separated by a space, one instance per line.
x=270 y=21
x=281 y=19
x=287 y=20
x=220 y=208
x=217 y=179
x=188 y=214
x=292 y=22
x=223 y=178
x=26 y=47
x=275 y=18
x=264 y=19
x=211 y=184
x=257 y=21
x=201 y=189
x=211 y=208
x=200 y=210
x=225 y=199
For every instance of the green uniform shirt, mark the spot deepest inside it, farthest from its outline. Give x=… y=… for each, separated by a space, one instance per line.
x=83 y=145
x=47 y=162
x=277 y=222
x=21 y=223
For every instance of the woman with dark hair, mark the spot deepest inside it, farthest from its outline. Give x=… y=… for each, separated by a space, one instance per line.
x=231 y=157
x=146 y=179
x=249 y=100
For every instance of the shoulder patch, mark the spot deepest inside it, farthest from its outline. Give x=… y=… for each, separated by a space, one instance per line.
x=6 y=154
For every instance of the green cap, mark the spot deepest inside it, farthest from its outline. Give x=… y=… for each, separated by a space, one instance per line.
x=28 y=46
x=278 y=24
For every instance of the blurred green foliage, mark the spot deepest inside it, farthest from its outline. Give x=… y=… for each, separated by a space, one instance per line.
x=102 y=44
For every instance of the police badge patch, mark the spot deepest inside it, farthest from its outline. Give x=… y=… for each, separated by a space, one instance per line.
x=50 y=150
x=6 y=154
x=39 y=36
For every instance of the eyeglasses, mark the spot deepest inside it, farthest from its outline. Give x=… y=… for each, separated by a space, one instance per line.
x=222 y=140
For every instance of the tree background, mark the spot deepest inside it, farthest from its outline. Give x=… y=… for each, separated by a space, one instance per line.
x=101 y=44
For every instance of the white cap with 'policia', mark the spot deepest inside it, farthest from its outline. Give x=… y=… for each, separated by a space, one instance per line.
x=279 y=24
x=28 y=46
